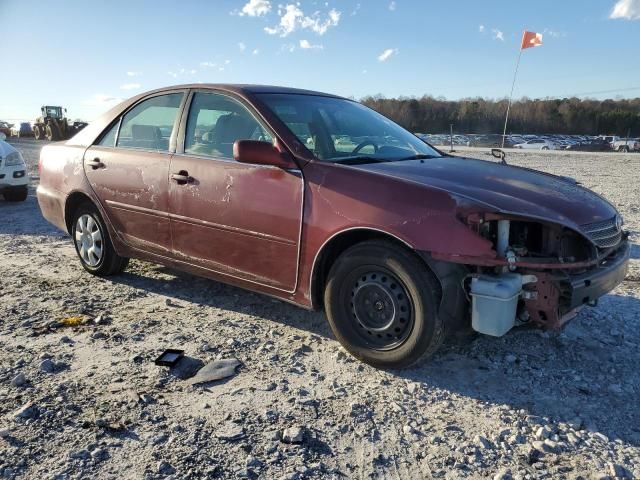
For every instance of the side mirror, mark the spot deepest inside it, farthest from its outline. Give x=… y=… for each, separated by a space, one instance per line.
x=261 y=153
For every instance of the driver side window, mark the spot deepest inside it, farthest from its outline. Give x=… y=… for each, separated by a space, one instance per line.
x=215 y=122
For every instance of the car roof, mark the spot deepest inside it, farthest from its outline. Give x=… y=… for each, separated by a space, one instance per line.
x=247 y=88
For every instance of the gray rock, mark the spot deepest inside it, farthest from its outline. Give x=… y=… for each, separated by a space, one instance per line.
x=230 y=432
x=28 y=410
x=165 y=468
x=482 y=442
x=293 y=435
x=5 y=433
x=19 y=380
x=510 y=358
x=47 y=366
x=99 y=454
x=252 y=462
x=503 y=474
x=216 y=370
x=82 y=454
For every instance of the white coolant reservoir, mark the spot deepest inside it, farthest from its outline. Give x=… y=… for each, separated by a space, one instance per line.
x=495 y=302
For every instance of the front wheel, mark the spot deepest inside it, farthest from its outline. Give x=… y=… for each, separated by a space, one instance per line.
x=382 y=305
x=545 y=148
x=93 y=245
x=16 y=194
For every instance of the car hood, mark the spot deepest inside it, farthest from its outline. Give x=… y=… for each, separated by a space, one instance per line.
x=504 y=188
x=6 y=149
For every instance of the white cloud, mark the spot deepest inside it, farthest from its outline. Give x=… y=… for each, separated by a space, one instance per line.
x=497 y=34
x=134 y=74
x=392 y=6
x=242 y=46
x=384 y=56
x=255 y=52
x=292 y=18
x=481 y=28
x=130 y=86
x=101 y=99
x=356 y=10
x=256 y=8
x=208 y=64
x=627 y=9
x=305 y=45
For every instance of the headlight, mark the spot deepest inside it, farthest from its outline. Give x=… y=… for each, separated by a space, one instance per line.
x=14 y=158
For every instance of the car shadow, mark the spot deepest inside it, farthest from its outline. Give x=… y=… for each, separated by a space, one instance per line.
x=567 y=375
x=184 y=287
x=24 y=218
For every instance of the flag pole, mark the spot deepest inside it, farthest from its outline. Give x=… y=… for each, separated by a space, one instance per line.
x=515 y=74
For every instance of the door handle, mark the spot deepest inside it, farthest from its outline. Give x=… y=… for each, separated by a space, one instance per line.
x=182 y=177
x=95 y=163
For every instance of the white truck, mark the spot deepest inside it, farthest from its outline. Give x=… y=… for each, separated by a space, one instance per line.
x=626 y=145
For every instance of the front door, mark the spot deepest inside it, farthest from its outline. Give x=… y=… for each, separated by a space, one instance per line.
x=237 y=219
x=128 y=170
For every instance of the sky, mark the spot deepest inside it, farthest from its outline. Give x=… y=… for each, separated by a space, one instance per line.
x=88 y=55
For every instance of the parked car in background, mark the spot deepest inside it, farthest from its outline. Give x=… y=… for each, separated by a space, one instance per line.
x=537 y=144
x=22 y=129
x=595 y=145
x=626 y=145
x=14 y=180
x=390 y=236
x=5 y=128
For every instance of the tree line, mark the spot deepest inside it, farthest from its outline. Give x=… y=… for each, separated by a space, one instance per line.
x=535 y=116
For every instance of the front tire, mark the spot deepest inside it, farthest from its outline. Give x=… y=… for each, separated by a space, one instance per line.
x=382 y=305
x=16 y=194
x=93 y=245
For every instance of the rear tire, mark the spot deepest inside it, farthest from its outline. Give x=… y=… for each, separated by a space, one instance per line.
x=16 y=194
x=93 y=245
x=37 y=133
x=545 y=148
x=382 y=305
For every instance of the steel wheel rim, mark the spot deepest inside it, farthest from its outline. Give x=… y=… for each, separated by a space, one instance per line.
x=381 y=310
x=88 y=238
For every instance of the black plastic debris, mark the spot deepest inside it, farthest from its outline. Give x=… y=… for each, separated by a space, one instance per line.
x=169 y=357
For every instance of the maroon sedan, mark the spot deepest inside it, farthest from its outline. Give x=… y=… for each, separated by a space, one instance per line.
x=322 y=202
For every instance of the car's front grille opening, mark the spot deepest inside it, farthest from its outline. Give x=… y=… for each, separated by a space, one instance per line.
x=604 y=234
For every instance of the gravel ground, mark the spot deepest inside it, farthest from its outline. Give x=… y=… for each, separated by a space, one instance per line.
x=87 y=401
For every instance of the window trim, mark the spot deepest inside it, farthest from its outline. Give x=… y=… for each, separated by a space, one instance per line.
x=182 y=132
x=174 y=131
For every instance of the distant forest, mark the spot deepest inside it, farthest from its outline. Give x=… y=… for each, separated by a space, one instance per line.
x=478 y=115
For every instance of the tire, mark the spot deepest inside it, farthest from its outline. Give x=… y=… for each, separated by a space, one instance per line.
x=380 y=279
x=16 y=194
x=49 y=133
x=37 y=134
x=88 y=230
x=545 y=148
x=624 y=149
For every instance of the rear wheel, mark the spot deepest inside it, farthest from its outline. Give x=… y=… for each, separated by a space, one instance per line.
x=93 y=245
x=16 y=194
x=382 y=305
x=624 y=149
x=545 y=148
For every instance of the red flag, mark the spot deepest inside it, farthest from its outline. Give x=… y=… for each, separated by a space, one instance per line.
x=531 y=39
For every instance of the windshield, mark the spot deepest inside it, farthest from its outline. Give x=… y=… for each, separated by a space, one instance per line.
x=337 y=130
x=53 y=112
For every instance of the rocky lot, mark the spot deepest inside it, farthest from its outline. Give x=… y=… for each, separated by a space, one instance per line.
x=81 y=397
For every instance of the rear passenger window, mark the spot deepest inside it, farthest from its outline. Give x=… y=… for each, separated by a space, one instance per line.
x=215 y=122
x=149 y=124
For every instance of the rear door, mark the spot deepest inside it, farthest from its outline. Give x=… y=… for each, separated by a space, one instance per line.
x=237 y=219
x=128 y=169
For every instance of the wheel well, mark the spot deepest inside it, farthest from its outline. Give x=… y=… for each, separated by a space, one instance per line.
x=73 y=202
x=332 y=250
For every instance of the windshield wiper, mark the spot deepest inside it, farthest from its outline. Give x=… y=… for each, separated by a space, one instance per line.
x=418 y=156
x=359 y=160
